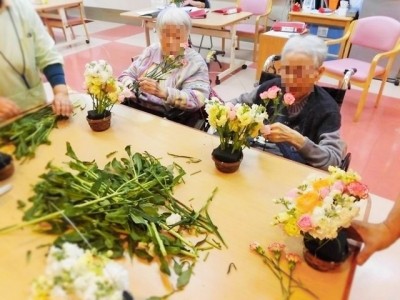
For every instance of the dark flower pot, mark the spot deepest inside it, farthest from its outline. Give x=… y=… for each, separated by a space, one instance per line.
x=327 y=254
x=99 y=122
x=6 y=166
x=225 y=160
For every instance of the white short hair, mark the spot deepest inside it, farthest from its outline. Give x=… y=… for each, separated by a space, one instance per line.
x=309 y=45
x=173 y=16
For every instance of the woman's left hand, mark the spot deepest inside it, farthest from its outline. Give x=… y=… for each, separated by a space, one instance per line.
x=152 y=87
x=281 y=133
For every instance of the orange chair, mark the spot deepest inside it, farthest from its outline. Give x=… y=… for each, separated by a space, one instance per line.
x=260 y=10
x=378 y=33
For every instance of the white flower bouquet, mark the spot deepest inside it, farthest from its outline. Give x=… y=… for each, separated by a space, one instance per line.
x=74 y=273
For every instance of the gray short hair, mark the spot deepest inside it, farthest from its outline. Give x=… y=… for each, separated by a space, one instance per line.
x=173 y=16
x=309 y=45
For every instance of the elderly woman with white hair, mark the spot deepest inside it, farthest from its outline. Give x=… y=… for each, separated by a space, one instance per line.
x=308 y=130
x=181 y=91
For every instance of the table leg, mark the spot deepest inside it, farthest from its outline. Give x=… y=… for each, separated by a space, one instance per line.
x=233 y=64
x=64 y=21
x=147 y=26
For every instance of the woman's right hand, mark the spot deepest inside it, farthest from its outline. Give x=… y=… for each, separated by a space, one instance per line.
x=8 y=109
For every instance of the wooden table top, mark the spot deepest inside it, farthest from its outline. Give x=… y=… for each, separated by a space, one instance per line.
x=242 y=209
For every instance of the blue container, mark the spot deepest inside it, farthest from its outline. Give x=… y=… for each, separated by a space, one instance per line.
x=326 y=32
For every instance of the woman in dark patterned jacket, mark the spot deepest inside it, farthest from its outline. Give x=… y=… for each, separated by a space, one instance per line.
x=308 y=130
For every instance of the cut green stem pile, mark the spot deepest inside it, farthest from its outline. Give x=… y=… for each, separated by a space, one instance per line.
x=29 y=132
x=121 y=207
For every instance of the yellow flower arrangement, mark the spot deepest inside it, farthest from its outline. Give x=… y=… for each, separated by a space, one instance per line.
x=235 y=124
x=103 y=88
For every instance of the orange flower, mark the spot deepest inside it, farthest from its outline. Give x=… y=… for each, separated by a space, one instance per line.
x=307 y=201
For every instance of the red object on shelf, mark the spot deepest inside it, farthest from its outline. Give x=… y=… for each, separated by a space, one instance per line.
x=198 y=14
x=228 y=10
x=296 y=7
x=298 y=27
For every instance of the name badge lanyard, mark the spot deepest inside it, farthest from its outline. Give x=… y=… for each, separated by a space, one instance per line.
x=21 y=75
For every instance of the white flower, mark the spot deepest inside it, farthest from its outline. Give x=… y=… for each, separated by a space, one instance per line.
x=87 y=275
x=173 y=219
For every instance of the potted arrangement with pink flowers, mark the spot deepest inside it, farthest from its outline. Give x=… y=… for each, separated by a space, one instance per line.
x=320 y=209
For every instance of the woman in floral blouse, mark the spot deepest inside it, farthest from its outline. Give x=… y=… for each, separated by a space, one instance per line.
x=184 y=84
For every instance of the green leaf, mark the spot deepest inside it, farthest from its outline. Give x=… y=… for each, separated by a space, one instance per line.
x=70 y=152
x=184 y=278
x=164 y=267
x=119 y=216
x=177 y=268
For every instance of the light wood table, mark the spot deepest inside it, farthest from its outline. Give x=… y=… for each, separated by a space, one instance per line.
x=56 y=10
x=214 y=25
x=242 y=209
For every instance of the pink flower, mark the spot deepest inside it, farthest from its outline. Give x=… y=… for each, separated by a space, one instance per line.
x=324 y=192
x=338 y=186
x=288 y=98
x=254 y=245
x=305 y=223
x=265 y=130
x=264 y=95
x=357 y=189
x=293 y=257
x=273 y=92
x=276 y=247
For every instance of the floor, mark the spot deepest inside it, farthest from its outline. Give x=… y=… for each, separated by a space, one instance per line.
x=374 y=141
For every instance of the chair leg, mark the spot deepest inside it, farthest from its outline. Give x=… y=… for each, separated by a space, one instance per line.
x=378 y=98
x=83 y=17
x=201 y=43
x=211 y=42
x=255 y=47
x=361 y=104
x=223 y=44
x=72 y=32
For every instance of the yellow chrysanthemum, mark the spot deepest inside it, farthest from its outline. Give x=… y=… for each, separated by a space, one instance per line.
x=321 y=183
x=307 y=201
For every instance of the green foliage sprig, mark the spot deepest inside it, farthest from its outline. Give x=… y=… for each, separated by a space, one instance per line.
x=29 y=132
x=124 y=206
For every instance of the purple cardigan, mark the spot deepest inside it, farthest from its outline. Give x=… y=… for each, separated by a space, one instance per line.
x=187 y=87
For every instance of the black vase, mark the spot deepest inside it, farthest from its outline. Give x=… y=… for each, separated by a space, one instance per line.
x=227 y=161
x=226 y=155
x=94 y=115
x=99 y=122
x=326 y=254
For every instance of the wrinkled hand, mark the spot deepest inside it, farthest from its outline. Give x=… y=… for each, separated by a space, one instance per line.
x=281 y=133
x=375 y=237
x=152 y=87
x=8 y=109
x=62 y=105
